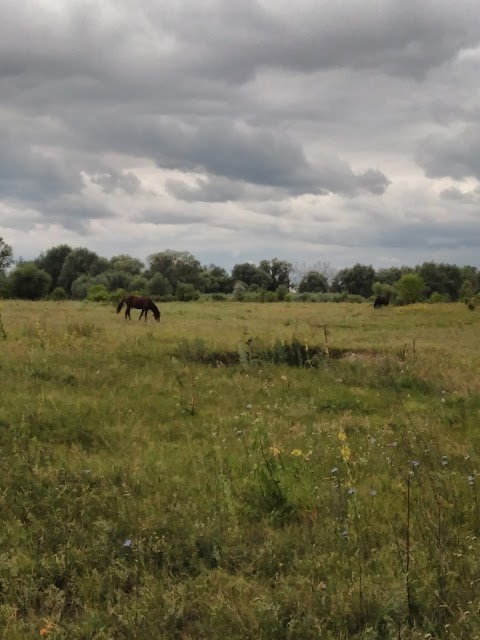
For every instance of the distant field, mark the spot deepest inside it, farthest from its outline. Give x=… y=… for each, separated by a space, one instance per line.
x=264 y=471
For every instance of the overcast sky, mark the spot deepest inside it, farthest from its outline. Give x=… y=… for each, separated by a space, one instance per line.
x=242 y=129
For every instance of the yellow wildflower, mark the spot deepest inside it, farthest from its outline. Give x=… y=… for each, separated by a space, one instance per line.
x=297 y=453
x=342 y=436
x=345 y=452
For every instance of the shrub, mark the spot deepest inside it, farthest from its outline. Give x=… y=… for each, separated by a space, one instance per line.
x=98 y=293
x=187 y=292
x=58 y=293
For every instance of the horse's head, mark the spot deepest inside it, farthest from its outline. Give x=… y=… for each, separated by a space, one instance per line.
x=156 y=315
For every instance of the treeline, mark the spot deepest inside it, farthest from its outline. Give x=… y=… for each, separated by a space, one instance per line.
x=63 y=272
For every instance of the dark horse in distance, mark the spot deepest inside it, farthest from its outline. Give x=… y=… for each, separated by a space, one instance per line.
x=145 y=304
x=381 y=301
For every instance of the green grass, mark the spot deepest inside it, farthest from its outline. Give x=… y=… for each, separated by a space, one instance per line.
x=267 y=471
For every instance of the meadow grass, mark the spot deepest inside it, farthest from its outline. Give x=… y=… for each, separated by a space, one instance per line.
x=239 y=471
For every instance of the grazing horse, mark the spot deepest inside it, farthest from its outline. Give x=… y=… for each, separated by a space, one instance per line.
x=381 y=301
x=145 y=304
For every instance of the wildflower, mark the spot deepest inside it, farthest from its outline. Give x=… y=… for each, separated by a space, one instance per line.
x=127 y=543
x=352 y=491
x=249 y=406
x=275 y=451
x=442 y=400
x=373 y=493
x=415 y=463
x=342 y=436
x=345 y=452
x=467 y=457
x=284 y=378
x=334 y=470
x=297 y=453
x=444 y=461
x=471 y=480
x=344 y=534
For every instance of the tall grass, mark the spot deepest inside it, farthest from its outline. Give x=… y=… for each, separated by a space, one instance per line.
x=153 y=485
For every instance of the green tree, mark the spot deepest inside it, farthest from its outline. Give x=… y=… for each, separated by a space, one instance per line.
x=29 y=282
x=410 y=288
x=358 y=280
x=80 y=262
x=126 y=263
x=6 y=255
x=80 y=286
x=390 y=275
x=176 y=266
x=217 y=280
x=441 y=278
x=279 y=272
x=313 y=282
x=250 y=274
x=471 y=274
x=159 y=285
x=138 y=283
x=384 y=289
x=52 y=261
x=466 y=290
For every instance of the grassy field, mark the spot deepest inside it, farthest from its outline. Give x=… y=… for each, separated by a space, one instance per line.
x=239 y=471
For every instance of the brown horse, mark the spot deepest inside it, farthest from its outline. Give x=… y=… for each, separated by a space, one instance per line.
x=145 y=304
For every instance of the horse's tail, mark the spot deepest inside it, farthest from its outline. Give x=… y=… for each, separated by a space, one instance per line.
x=120 y=305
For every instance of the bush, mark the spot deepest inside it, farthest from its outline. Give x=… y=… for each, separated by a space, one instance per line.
x=438 y=297
x=29 y=282
x=58 y=293
x=282 y=292
x=98 y=293
x=187 y=292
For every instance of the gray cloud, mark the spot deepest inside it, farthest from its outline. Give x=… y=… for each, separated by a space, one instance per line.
x=455 y=155
x=213 y=115
x=125 y=181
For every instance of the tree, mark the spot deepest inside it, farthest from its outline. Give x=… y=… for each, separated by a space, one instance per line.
x=441 y=278
x=357 y=280
x=176 y=266
x=186 y=292
x=250 y=274
x=466 y=290
x=80 y=286
x=217 y=280
x=471 y=274
x=301 y=269
x=80 y=262
x=6 y=255
x=390 y=275
x=313 y=282
x=138 y=283
x=52 y=261
x=127 y=264
x=384 y=290
x=29 y=282
x=279 y=271
x=158 y=285
x=410 y=288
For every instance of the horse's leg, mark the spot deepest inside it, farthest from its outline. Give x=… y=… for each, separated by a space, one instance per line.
x=127 y=313
x=141 y=314
x=146 y=311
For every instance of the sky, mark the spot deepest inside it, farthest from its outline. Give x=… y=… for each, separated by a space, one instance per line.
x=242 y=130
